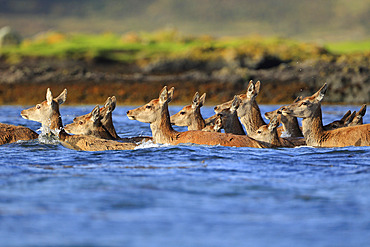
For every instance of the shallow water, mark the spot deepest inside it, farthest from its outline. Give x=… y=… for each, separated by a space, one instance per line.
x=187 y=195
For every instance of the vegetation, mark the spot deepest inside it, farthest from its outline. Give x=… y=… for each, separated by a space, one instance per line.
x=142 y=47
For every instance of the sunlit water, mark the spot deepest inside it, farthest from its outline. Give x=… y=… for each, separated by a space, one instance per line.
x=186 y=195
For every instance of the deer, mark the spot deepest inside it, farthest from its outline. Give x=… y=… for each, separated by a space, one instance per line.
x=190 y=115
x=290 y=126
x=268 y=135
x=11 y=133
x=248 y=111
x=47 y=113
x=157 y=115
x=216 y=126
x=309 y=109
x=99 y=123
x=230 y=120
x=358 y=117
x=89 y=124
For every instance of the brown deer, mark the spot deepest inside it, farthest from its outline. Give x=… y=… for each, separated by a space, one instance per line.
x=268 y=135
x=216 y=126
x=248 y=111
x=358 y=118
x=47 y=113
x=11 y=133
x=89 y=124
x=309 y=108
x=156 y=114
x=99 y=123
x=190 y=115
x=347 y=117
x=105 y=117
x=230 y=120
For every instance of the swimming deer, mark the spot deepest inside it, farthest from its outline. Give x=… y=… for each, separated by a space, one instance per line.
x=358 y=118
x=99 y=123
x=190 y=115
x=343 y=122
x=47 y=113
x=290 y=126
x=309 y=108
x=230 y=120
x=215 y=126
x=248 y=111
x=89 y=124
x=156 y=114
x=11 y=133
x=105 y=117
x=268 y=135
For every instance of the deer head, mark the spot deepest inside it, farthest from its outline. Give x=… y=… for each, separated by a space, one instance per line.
x=190 y=115
x=308 y=106
x=151 y=112
x=47 y=112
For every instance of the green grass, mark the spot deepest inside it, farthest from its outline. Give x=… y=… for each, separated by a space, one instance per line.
x=136 y=47
x=349 y=47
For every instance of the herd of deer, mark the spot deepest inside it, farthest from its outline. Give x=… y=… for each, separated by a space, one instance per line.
x=95 y=131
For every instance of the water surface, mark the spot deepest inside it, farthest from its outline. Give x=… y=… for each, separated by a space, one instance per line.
x=186 y=195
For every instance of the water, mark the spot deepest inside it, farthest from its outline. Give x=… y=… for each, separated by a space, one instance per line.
x=187 y=195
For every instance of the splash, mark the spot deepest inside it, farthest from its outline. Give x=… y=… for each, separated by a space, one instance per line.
x=49 y=136
x=150 y=144
x=285 y=134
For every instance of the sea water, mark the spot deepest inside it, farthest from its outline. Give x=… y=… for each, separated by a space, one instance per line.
x=185 y=195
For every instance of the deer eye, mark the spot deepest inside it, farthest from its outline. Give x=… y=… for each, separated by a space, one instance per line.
x=81 y=123
x=182 y=113
x=38 y=106
x=148 y=107
x=259 y=132
x=304 y=103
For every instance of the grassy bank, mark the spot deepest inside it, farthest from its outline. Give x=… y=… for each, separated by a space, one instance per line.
x=142 y=47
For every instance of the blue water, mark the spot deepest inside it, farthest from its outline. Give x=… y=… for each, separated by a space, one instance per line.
x=187 y=195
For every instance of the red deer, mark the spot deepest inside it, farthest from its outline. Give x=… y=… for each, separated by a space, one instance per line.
x=268 y=135
x=156 y=114
x=190 y=115
x=47 y=113
x=230 y=120
x=11 y=133
x=309 y=108
x=99 y=123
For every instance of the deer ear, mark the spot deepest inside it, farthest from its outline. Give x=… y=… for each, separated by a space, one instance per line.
x=170 y=94
x=236 y=102
x=297 y=99
x=95 y=113
x=257 y=86
x=250 y=87
x=273 y=123
x=49 y=96
x=114 y=103
x=319 y=95
x=362 y=111
x=345 y=116
x=163 y=95
x=350 y=118
x=62 y=97
x=195 y=101
x=202 y=100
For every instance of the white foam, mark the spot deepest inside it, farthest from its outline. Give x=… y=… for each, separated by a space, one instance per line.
x=49 y=136
x=285 y=134
x=150 y=144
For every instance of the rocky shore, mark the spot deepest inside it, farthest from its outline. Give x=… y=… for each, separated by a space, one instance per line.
x=90 y=82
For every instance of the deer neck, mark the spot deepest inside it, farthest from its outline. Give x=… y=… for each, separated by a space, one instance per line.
x=108 y=125
x=313 y=129
x=55 y=121
x=198 y=122
x=252 y=120
x=234 y=126
x=291 y=126
x=162 y=130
